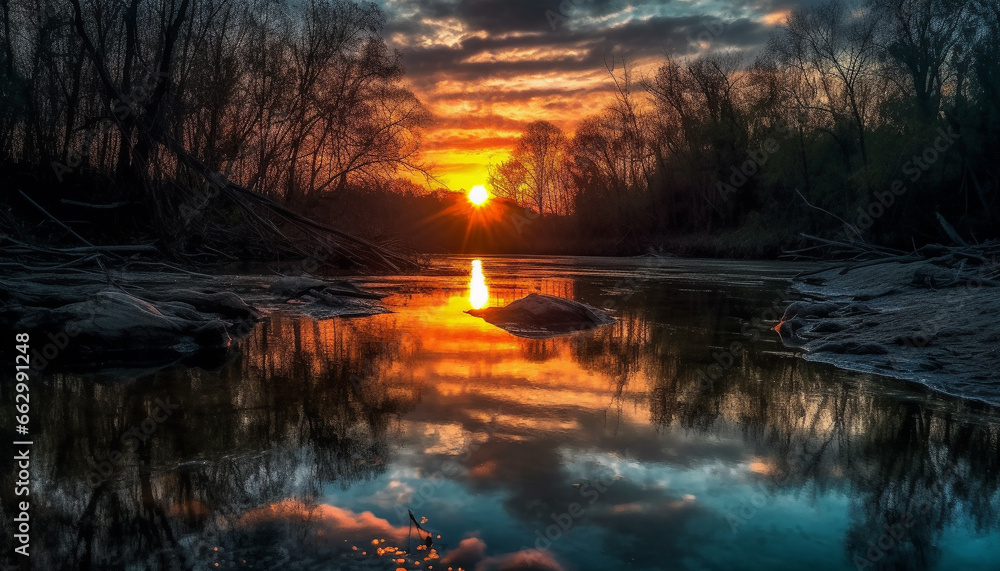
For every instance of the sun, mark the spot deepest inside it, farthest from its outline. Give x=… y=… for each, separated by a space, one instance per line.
x=478 y=195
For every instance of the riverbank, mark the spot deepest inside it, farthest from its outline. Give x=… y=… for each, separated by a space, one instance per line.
x=115 y=320
x=928 y=318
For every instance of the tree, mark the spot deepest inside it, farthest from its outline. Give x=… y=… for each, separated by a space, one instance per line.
x=536 y=173
x=832 y=51
x=923 y=39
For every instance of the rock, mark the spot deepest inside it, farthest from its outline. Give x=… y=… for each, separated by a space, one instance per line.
x=120 y=320
x=323 y=300
x=113 y=322
x=153 y=320
x=539 y=315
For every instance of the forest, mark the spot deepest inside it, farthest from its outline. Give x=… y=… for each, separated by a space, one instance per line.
x=207 y=128
x=860 y=121
x=198 y=125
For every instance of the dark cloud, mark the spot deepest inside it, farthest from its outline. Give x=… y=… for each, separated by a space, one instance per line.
x=478 y=57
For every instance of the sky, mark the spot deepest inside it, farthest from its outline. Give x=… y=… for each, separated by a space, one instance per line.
x=487 y=68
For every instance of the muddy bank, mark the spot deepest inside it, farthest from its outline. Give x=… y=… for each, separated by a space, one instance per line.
x=144 y=321
x=932 y=320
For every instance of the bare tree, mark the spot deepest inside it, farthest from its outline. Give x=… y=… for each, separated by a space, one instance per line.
x=832 y=51
x=536 y=172
x=923 y=38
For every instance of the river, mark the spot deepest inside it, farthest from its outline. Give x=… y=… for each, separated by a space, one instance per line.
x=684 y=436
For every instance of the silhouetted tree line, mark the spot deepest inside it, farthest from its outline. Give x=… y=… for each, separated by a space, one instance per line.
x=879 y=113
x=287 y=98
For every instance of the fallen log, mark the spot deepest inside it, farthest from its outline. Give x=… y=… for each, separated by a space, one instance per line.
x=358 y=250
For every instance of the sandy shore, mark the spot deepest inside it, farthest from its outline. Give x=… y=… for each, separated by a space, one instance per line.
x=933 y=322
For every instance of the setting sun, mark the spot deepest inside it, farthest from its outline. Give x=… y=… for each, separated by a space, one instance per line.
x=478 y=195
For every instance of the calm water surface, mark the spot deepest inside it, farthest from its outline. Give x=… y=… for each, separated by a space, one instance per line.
x=609 y=449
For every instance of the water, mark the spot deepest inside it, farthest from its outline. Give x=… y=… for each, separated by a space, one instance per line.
x=612 y=449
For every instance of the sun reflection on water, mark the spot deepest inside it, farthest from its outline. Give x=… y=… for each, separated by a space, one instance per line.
x=479 y=294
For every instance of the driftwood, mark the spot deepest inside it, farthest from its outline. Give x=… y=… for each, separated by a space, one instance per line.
x=54 y=219
x=256 y=207
x=966 y=262
x=111 y=206
x=975 y=262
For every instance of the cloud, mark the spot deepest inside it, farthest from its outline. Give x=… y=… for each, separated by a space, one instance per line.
x=499 y=64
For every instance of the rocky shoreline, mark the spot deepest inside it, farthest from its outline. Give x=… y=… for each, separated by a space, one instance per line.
x=93 y=321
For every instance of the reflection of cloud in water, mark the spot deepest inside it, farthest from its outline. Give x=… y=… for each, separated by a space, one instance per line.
x=328 y=521
x=360 y=540
x=444 y=438
x=396 y=493
x=313 y=403
x=471 y=556
x=469 y=552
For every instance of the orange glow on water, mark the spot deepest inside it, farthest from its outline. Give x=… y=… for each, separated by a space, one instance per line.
x=479 y=293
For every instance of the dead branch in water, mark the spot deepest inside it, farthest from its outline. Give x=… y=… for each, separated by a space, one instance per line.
x=978 y=262
x=357 y=250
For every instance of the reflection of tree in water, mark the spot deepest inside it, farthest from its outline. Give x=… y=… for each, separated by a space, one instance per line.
x=305 y=406
x=935 y=459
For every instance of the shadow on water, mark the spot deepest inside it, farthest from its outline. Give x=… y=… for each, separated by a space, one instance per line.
x=273 y=461
x=911 y=463
x=304 y=405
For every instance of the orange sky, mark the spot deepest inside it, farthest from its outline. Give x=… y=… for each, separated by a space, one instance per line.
x=472 y=131
x=486 y=69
